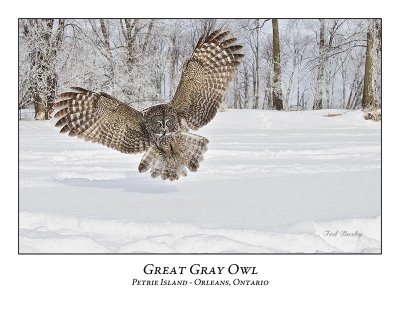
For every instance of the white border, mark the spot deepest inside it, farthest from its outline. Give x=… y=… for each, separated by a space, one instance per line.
x=105 y=281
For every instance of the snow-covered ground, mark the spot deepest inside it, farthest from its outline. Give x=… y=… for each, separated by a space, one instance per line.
x=270 y=182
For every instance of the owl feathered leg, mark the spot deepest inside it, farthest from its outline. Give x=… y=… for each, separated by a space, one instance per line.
x=191 y=148
x=183 y=150
x=153 y=159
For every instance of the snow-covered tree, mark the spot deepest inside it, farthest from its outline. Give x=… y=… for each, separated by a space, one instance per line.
x=321 y=62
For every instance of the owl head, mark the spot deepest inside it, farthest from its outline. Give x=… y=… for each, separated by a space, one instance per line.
x=161 y=119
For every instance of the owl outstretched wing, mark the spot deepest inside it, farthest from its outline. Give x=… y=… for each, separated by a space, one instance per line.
x=205 y=78
x=102 y=119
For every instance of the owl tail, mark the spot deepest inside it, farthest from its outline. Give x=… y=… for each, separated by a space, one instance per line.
x=186 y=152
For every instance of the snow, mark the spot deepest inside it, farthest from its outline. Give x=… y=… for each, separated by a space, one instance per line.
x=270 y=182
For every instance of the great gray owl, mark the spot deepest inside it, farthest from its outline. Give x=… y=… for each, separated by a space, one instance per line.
x=161 y=130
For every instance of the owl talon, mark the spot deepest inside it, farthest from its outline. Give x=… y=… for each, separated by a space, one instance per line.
x=173 y=177
x=143 y=167
x=155 y=174
x=193 y=166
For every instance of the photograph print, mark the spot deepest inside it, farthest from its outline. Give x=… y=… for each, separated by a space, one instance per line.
x=180 y=136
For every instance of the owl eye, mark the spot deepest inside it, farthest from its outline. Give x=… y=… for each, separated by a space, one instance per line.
x=167 y=123
x=159 y=124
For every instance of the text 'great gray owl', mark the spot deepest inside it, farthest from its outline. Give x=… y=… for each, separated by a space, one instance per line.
x=161 y=130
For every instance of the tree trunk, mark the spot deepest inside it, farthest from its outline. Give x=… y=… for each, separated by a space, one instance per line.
x=378 y=62
x=174 y=53
x=236 y=94
x=130 y=32
x=147 y=39
x=320 y=70
x=277 y=87
x=105 y=31
x=246 y=87
x=368 y=101
x=257 y=67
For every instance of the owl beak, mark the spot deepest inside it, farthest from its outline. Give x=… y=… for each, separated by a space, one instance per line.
x=165 y=132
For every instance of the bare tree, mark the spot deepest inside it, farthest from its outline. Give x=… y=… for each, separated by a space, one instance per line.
x=102 y=37
x=257 y=65
x=277 y=86
x=368 y=101
x=377 y=69
x=130 y=29
x=148 y=36
x=246 y=86
x=173 y=53
x=320 y=68
x=140 y=60
x=44 y=40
